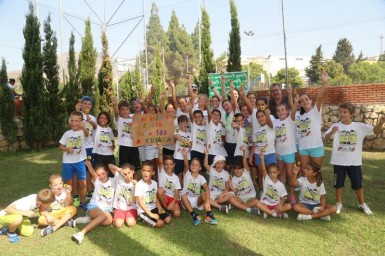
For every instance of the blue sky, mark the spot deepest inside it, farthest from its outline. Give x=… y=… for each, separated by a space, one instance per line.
x=309 y=23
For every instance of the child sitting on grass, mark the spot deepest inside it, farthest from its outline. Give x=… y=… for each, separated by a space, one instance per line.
x=15 y=216
x=274 y=192
x=149 y=208
x=100 y=207
x=312 y=201
x=169 y=185
x=191 y=193
x=124 y=199
x=62 y=209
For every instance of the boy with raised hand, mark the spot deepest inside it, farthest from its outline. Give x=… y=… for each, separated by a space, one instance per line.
x=347 y=153
x=15 y=216
x=74 y=154
x=62 y=210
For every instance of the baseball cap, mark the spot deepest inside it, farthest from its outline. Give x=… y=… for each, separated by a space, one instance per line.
x=218 y=158
x=87 y=98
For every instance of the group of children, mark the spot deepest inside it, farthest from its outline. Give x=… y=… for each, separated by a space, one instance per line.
x=236 y=143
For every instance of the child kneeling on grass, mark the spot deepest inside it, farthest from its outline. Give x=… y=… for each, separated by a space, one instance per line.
x=15 y=216
x=242 y=185
x=100 y=207
x=62 y=210
x=169 y=184
x=274 y=192
x=312 y=201
x=191 y=193
x=124 y=199
x=149 y=208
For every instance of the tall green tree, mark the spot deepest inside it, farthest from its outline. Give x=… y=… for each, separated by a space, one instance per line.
x=336 y=73
x=72 y=87
x=344 y=54
x=157 y=78
x=195 y=40
x=234 y=60
x=87 y=68
x=51 y=71
x=293 y=77
x=7 y=110
x=314 y=69
x=126 y=85
x=105 y=77
x=207 y=61
x=36 y=119
x=361 y=58
x=365 y=72
x=255 y=71
x=221 y=62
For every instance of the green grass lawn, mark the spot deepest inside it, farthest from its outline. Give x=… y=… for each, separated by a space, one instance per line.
x=238 y=233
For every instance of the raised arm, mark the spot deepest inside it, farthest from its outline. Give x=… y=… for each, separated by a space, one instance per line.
x=163 y=96
x=244 y=158
x=290 y=96
x=245 y=100
x=331 y=133
x=321 y=92
x=189 y=86
x=160 y=156
x=185 y=161
x=91 y=170
x=116 y=109
x=223 y=83
x=234 y=103
x=173 y=94
x=206 y=160
x=294 y=107
x=293 y=179
x=215 y=91
x=263 y=165
x=378 y=128
x=113 y=168
x=268 y=118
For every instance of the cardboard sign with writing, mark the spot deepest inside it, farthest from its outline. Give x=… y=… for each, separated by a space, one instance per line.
x=149 y=129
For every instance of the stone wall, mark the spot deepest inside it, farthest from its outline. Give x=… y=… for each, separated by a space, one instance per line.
x=19 y=144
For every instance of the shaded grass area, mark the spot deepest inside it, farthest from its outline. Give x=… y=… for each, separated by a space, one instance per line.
x=238 y=233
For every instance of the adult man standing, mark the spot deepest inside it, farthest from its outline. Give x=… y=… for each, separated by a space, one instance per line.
x=11 y=86
x=277 y=98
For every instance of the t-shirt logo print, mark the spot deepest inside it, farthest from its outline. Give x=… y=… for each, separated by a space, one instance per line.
x=347 y=140
x=312 y=195
x=150 y=198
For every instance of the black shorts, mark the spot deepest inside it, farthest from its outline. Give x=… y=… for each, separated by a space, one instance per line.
x=105 y=160
x=230 y=149
x=179 y=166
x=129 y=155
x=144 y=216
x=199 y=155
x=354 y=173
x=167 y=152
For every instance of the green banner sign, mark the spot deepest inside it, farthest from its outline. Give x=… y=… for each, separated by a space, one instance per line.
x=238 y=79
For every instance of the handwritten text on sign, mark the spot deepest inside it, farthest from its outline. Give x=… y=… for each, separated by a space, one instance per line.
x=149 y=129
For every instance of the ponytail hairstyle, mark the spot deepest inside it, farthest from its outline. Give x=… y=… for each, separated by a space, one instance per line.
x=316 y=168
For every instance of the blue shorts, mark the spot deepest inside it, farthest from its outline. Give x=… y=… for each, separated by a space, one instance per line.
x=288 y=159
x=269 y=159
x=68 y=171
x=311 y=206
x=354 y=173
x=94 y=206
x=313 y=152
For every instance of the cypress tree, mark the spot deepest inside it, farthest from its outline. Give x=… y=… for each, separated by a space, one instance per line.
x=105 y=77
x=7 y=110
x=51 y=71
x=36 y=121
x=344 y=54
x=207 y=62
x=234 y=60
x=157 y=78
x=314 y=69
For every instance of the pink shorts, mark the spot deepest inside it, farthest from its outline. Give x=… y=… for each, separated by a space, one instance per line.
x=120 y=214
x=271 y=207
x=170 y=199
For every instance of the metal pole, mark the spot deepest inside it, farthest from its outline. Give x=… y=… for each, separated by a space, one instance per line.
x=284 y=42
x=145 y=44
x=61 y=41
x=199 y=31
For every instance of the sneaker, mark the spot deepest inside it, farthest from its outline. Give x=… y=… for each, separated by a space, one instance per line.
x=211 y=220
x=76 y=202
x=4 y=230
x=316 y=209
x=282 y=215
x=326 y=218
x=304 y=217
x=265 y=215
x=78 y=237
x=365 y=208
x=292 y=199
x=224 y=209
x=13 y=238
x=255 y=211
x=297 y=189
x=83 y=205
x=46 y=231
x=229 y=206
x=338 y=207
x=82 y=220
x=71 y=223
x=197 y=219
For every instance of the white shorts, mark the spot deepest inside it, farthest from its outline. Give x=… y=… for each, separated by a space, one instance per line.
x=194 y=203
x=150 y=152
x=214 y=195
x=142 y=156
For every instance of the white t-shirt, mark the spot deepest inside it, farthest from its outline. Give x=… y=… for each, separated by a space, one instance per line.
x=285 y=136
x=168 y=183
x=75 y=140
x=255 y=120
x=148 y=194
x=180 y=145
x=124 y=131
x=192 y=186
x=89 y=141
x=103 y=141
x=24 y=204
x=310 y=193
x=124 y=194
x=272 y=192
x=214 y=139
x=347 y=143
x=60 y=201
x=264 y=137
x=198 y=133
x=310 y=129
x=244 y=184
x=217 y=181
x=241 y=139
x=103 y=195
